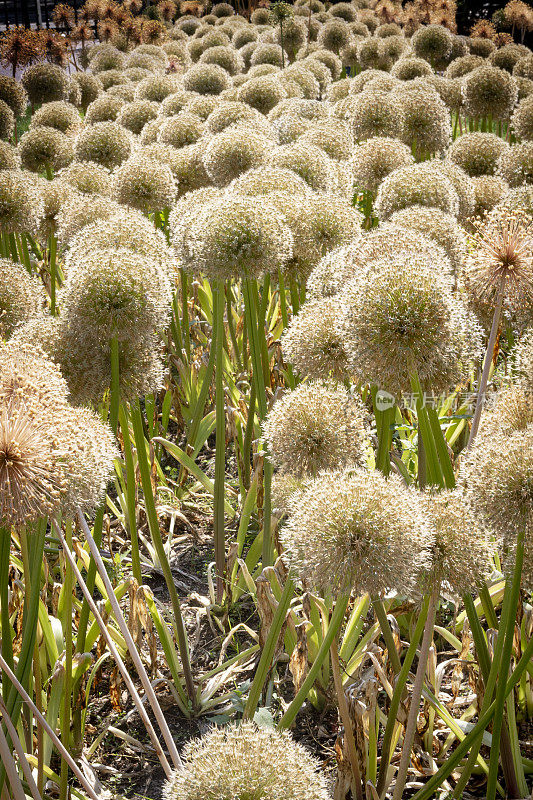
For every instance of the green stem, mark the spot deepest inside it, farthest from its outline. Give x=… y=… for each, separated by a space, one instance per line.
x=248 y=435
x=153 y=524
x=220 y=446
x=131 y=503
x=52 y=260
x=68 y=587
x=434 y=469
x=90 y=581
x=185 y=313
x=381 y=614
x=7 y=644
x=115 y=384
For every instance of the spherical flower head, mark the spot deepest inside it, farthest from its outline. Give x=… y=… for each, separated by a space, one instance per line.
x=315 y=427
x=461 y=552
x=376 y=158
x=426 y=119
x=449 y=90
x=438 y=226
x=266 y=180
x=489 y=91
x=228 y=113
x=333 y=136
x=477 y=153
x=322 y=64
x=226 y=57
x=501 y=250
x=235 y=236
x=116 y=293
x=262 y=93
x=411 y=67
x=357 y=530
x=524 y=67
x=181 y=130
x=515 y=165
x=134 y=116
x=106 y=143
x=20 y=203
x=309 y=162
x=144 y=183
x=372 y=54
x=506 y=57
x=79 y=211
x=21 y=296
x=334 y=35
x=54 y=194
x=13 y=93
x=376 y=113
x=7 y=121
x=45 y=82
x=419 y=184
x=156 y=88
x=267 y=53
x=498 y=479
x=305 y=80
x=313 y=344
x=43 y=148
x=206 y=79
x=202 y=105
x=489 y=190
x=248 y=762
x=400 y=317
x=90 y=87
x=113 y=77
x=461 y=66
x=9 y=157
x=186 y=164
x=522 y=119
x=175 y=102
x=105 y=107
x=433 y=43
x=62 y=116
x=234 y=151
x=107 y=57
x=462 y=184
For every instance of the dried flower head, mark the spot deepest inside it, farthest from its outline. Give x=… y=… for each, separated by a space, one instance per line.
x=420 y=184
x=522 y=119
x=434 y=44
x=21 y=296
x=228 y=113
x=44 y=83
x=106 y=143
x=62 y=116
x=105 y=108
x=42 y=148
x=144 y=183
x=489 y=91
x=13 y=93
x=20 y=202
x=461 y=66
x=233 y=152
x=262 y=93
x=181 y=130
x=426 y=119
x=309 y=162
x=477 y=153
x=516 y=164
x=438 y=226
x=376 y=113
x=313 y=343
x=86 y=177
x=410 y=67
x=9 y=157
x=376 y=158
x=90 y=87
x=246 y=761
x=356 y=530
x=7 y=121
x=206 y=79
x=266 y=180
x=489 y=190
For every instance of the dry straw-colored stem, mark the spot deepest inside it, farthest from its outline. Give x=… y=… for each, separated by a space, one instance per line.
x=344 y=712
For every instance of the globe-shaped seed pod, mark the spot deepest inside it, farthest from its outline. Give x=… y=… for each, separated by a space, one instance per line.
x=321 y=71
x=377 y=113
x=344 y=11
x=21 y=296
x=315 y=427
x=266 y=180
x=267 y=53
x=356 y=530
x=186 y=164
x=144 y=184
x=234 y=151
x=388 y=29
x=305 y=80
x=515 y=165
x=90 y=87
x=257 y=71
x=76 y=213
x=449 y=90
x=334 y=35
x=115 y=293
x=228 y=113
x=372 y=54
x=294 y=36
x=477 y=153
x=313 y=110
x=226 y=57
x=261 y=16
x=382 y=82
x=62 y=116
x=20 y=202
x=7 y=121
x=262 y=93
x=136 y=75
x=54 y=194
x=13 y=93
x=524 y=67
x=106 y=143
x=246 y=761
x=400 y=316
x=112 y=77
x=516 y=199
x=223 y=10
x=462 y=66
x=481 y=47
x=329 y=59
x=461 y=553
x=156 y=88
x=434 y=44
x=87 y=178
x=44 y=83
x=419 y=184
x=489 y=91
x=489 y=190
x=134 y=116
x=313 y=344
x=426 y=120
x=350 y=59
x=9 y=157
x=144 y=61
x=309 y=162
x=181 y=130
x=125 y=92
x=107 y=57
x=105 y=108
x=409 y=67
x=436 y=225
x=395 y=47
x=333 y=136
x=522 y=119
x=175 y=102
x=189 y=25
x=242 y=36
x=206 y=79
x=155 y=52
x=506 y=57
x=462 y=184
x=339 y=90
x=202 y=105
x=234 y=236
x=376 y=158
x=178 y=53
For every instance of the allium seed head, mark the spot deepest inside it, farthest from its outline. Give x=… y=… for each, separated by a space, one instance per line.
x=206 y=79
x=376 y=158
x=60 y=115
x=489 y=91
x=477 y=153
x=313 y=344
x=144 y=183
x=437 y=225
x=106 y=143
x=489 y=190
x=41 y=148
x=45 y=82
x=21 y=296
x=233 y=152
x=20 y=202
x=266 y=180
x=516 y=164
x=376 y=113
x=309 y=162
x=419 y=184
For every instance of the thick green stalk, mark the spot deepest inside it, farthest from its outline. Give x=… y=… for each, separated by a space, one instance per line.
x=185 y=313
x=220 y=446
x=131 y=504
x=90 y=581
x=67 y=590
x=334 y=626
x=382 y=618
x=508 y=632
x=434 y=469
x=397 y=696
x=153 y=524
x=269 y=648
x=7 y=645
x=248 y=435
x=115 y=384
x=52 y=261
